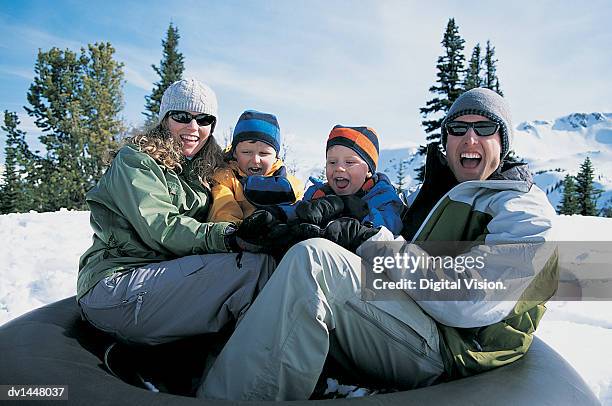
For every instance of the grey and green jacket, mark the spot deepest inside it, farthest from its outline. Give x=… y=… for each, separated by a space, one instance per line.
x=142 y=213
x=509 y=220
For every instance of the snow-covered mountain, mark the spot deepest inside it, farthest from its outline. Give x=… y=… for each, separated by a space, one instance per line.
x=556 y=148
x=552 y=149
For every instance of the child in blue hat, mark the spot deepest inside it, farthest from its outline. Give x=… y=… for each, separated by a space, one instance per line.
x=253 y=153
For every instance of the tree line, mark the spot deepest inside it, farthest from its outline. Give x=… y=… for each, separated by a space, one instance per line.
x=580 y=194
x=76 y=98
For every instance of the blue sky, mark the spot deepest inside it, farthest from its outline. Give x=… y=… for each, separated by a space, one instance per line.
x=319 y=63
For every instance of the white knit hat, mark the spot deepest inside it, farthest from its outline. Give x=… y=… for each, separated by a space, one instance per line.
x=188 y=95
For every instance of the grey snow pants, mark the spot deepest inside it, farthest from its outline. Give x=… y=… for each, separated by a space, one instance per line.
x=165 y=301
x=278 y=350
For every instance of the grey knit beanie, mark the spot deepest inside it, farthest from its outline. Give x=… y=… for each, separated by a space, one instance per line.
x=487 y=103
x=188 y=95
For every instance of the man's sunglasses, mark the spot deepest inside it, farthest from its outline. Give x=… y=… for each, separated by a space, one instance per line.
x=184 y=117
x=482 y=128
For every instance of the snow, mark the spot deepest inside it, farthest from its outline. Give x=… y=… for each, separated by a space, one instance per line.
x=39 y=258
x=336 y=389
x=582 y=331
x=40 y=254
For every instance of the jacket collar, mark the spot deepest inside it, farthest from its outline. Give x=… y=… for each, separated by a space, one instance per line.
x=439 y=180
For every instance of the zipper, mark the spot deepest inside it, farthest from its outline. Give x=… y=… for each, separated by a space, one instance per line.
x=478 y=183
x=421 y=351
x=138 y=305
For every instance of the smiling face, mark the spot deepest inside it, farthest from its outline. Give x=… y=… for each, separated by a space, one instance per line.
x=470 y=156
x=191 y=135
x=254 y=157
x=345 y=170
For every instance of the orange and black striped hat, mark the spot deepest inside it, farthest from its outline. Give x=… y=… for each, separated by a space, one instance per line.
x=362 y=140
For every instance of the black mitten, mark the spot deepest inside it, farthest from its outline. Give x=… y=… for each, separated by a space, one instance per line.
x=348 y=233
x=304 y=231
x=256 y=227
x=276 y=212
x=354 y=207
x=262 y=232
x=320 y=211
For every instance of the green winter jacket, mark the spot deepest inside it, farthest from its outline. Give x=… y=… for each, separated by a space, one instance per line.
x=479 y=335
x=143 y=213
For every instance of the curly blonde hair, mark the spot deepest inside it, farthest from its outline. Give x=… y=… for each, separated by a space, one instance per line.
x=159 y=144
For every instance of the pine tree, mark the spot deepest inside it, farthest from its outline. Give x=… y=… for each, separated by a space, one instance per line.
x=448 y=88
x=10 y=199
x=101 y=101
x=586 y=191
x=569 y=203
x=472 y=76
x=75 y=100
x=491 y=81
x=170 y=70
x=52 y=97
x=401 y=173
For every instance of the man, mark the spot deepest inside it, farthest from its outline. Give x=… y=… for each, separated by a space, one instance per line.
x=313 y=306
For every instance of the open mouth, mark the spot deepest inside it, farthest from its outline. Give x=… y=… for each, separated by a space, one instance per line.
x=189 y=139
x=470 y=160
x=254 y=171
x=341 y=183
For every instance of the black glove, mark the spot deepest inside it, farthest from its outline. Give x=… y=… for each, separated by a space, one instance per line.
x=348 y=233
x=354 y=207
x=304 y=231
x=255 y=232
x=320 y=211
x=276 y=212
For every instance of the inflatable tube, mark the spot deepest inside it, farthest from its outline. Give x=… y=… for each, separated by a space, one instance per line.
x=52 y=346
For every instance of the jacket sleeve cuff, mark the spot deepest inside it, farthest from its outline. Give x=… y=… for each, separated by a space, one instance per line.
x=217 y=237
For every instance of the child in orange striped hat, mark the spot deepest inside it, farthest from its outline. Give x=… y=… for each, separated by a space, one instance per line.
x=350 y=168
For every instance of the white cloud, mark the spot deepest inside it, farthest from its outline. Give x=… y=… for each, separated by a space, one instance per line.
x=17 y=71
x=34 y=38
x=137 y=65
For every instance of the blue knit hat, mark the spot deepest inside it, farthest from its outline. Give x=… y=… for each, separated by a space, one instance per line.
x=257 y=126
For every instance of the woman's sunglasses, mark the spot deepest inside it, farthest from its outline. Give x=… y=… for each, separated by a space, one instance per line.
x=184 y=117
x=482 y=128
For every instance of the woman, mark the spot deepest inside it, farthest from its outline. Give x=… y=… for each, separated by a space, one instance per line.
x=156 y=270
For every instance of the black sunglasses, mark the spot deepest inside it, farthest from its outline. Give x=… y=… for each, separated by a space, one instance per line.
x=184 y=117
x=482 y=128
